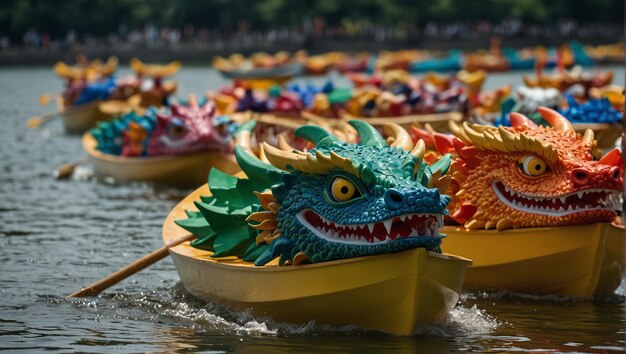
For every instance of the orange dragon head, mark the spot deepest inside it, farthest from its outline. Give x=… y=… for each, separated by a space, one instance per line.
x=530 y=176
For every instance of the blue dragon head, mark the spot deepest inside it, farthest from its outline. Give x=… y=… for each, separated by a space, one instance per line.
x=337 y=200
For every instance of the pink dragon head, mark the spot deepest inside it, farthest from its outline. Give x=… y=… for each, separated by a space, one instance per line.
x=187 y=129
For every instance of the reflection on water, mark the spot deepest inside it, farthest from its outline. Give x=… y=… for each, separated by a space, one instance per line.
x=57 y=236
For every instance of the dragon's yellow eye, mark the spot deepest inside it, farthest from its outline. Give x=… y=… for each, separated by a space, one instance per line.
x=533 y=166
x=343 y=190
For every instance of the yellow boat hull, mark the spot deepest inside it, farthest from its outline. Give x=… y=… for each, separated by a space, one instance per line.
x=392 y=293
x=190 y=170
x=79 y=119
x=577 y=261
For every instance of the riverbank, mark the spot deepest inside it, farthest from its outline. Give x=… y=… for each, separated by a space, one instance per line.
x=202 y=52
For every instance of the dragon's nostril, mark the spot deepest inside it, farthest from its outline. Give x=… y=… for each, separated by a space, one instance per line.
x=580 y=176
x=615 y=175
x=394 y=198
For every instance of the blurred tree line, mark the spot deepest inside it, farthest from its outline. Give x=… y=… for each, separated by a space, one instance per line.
x=101 y=17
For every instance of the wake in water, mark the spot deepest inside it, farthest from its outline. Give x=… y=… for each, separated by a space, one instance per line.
x=462 y=321
x=617 y=297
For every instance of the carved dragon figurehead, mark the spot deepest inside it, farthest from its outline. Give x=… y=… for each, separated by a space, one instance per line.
x=186 y=129
x=338 y=200
x=528 y=175
x=183 y=129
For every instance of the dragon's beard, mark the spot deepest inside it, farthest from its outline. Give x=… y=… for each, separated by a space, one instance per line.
x=592 y=204
x=401 y=227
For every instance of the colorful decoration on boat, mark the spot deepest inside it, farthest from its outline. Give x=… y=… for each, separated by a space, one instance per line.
x=338 y=200
x=181 y=129
x=576 y=109
x=591 y=111
x=91 y=81
x=530 y=176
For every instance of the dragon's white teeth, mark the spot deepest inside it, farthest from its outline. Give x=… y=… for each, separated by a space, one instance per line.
x=403 y=217
x=440 y=220
x=387 y=239
x=370 y=226
x=387 y=224
x=580 y=194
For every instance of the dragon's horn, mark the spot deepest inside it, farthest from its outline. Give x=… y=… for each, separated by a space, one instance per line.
x=555 y=119
x=418 y=150
x=588 y=139
x=314 y=134
x=520 y=120
x=307 y=162
x=398 y=137
x=368 y=135
x=243 y=135
x=283 y=144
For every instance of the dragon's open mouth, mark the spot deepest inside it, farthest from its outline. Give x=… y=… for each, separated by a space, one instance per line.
x=576 y=202
x=394 y=228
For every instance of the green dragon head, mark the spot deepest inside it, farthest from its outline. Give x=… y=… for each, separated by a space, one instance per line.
x=338 y=200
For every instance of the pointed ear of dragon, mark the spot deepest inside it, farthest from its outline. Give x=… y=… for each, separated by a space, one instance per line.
x=443 y=143
x=469 y=154
x=421 y=134
x=613 y=158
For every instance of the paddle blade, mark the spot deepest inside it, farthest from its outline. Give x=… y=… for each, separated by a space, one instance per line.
x=34 y=122
x=67 y=170
x=44 y=99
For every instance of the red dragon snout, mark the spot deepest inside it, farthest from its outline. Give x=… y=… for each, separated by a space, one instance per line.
x=603 y=173
x=596 y=177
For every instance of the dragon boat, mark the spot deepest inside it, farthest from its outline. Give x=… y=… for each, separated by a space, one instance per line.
x=78 y=118
x=261 y=70
x=92 y=95
x=176 y=148
x=342 y=234
x=535 y=208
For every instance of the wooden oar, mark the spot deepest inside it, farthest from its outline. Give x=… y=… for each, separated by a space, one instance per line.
x=35 y=122
x=101 y=285
x=66 y=170
x=47 y=97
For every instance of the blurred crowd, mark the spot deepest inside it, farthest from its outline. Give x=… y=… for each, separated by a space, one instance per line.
x=151 y=35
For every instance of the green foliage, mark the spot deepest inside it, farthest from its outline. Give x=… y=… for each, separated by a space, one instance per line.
x=101 y=17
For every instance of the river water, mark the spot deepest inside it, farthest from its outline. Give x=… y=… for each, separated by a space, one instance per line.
x=56 y=236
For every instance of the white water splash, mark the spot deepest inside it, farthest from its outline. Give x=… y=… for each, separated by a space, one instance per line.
x=462 y=321
x=202 y=319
